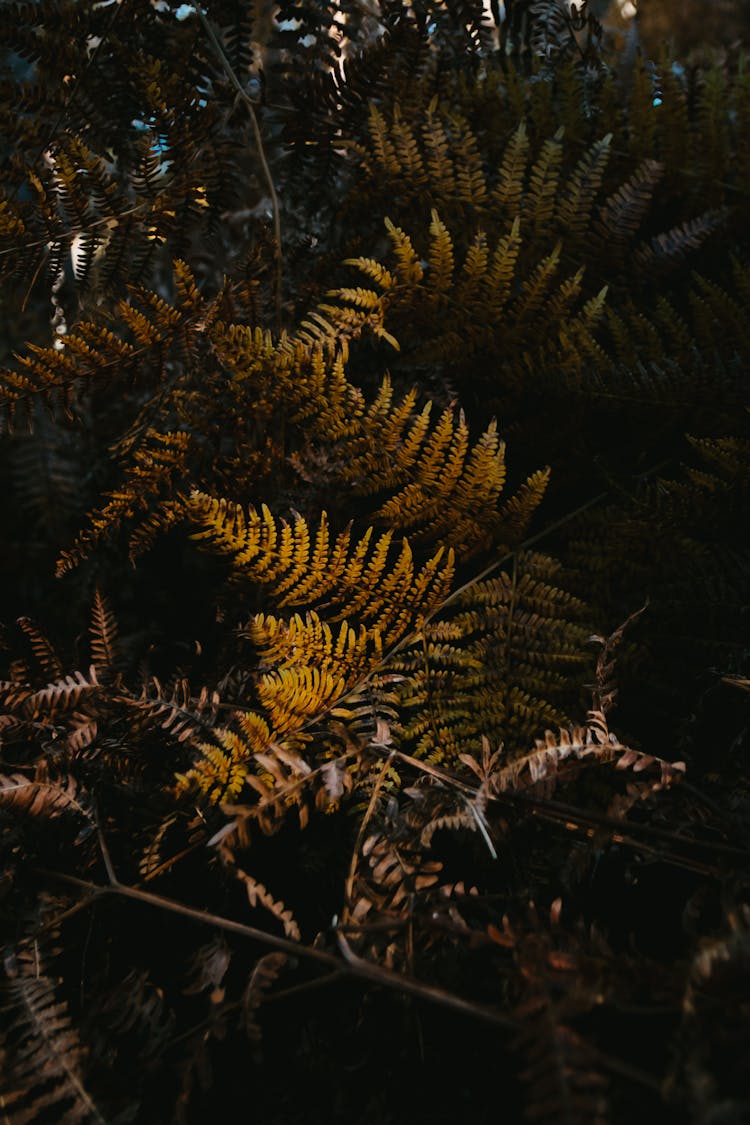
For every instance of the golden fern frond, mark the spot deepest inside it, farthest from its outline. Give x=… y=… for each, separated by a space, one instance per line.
x=303 y=569
x=515 y=514
x=406 y=144
x=509 y=187
x=146 y=492
x=540 y=199
x=470 y=174
x=310 y=668
x=452 y=497
x=220 y=772
x=372 y=465
x=383 y=147
x=503 y=268
x=294 y=696
x=258 y=759
x=281 y=642
x=498 y=301
x=440 y=164
x=439 y=257
x=409 y=270
x=537 y=285
x=441 y=161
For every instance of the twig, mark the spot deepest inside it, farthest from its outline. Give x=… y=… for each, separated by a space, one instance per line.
x=250 y=105
x=624 y=1069
x=351 y=965
x=627 y=833
x=109 y=866
x=271 y=998
x=378 y=975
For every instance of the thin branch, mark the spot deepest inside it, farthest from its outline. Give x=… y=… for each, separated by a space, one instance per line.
x=374 y=973
x=271 y=998
x=351 y=965
x=108 y=865
x=625 y=832
x=250 y=106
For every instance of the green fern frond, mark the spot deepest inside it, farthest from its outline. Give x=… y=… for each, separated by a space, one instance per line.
x=513 y=651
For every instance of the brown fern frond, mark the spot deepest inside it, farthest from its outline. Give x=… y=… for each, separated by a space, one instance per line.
x=46 y=657
x=103 y=635
x=44 y=1059
x=43 y=798
x=594 y=743
x=263 y=977
x=176 y=711
x=67 y=693
x=260 y=896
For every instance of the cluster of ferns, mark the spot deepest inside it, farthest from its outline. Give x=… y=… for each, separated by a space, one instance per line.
x=374 y=409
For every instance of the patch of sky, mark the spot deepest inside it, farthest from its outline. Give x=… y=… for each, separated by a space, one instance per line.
x=159 y=142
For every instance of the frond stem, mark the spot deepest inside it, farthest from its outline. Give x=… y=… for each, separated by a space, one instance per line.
x=350 y=964
x=250 y=106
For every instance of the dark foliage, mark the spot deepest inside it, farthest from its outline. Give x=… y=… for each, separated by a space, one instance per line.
x=353 y=766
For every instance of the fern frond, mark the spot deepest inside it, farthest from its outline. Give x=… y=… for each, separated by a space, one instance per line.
x=409 y=270
x=440 y=257
x=541 y=196
x=672 y=247
x=44 y=1065
x=43 y=798
x=576 y=201
x=258 y=895
x=301 y=570
x=175 y=711
x=65 y=694
x=621 y=214
x=46 y=657
x=512 y=654
x=156 y=462
x=103 y=635
x=264 y=975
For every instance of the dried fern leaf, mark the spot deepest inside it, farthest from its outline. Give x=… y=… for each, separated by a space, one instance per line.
x=43 y=798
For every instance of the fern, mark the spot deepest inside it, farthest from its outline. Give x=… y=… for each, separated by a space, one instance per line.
x=493 y=666
x=217 y=228
x=44 y=1058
